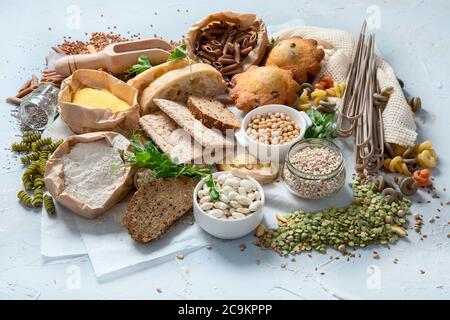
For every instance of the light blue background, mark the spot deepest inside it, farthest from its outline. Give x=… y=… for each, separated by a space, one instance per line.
x=413 y=37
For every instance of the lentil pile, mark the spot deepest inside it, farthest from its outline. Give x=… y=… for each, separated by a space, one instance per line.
x=273 y=128
x=369 y=220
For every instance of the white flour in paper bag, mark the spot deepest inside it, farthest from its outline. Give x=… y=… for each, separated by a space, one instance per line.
x=92 y=172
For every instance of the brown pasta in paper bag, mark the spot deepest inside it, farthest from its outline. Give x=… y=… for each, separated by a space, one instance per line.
x=83 y=119
x=215 y=41
x=56 y=181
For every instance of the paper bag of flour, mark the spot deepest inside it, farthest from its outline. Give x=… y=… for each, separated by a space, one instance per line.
x=87 y=173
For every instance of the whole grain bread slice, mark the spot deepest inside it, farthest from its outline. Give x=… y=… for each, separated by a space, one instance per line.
x=155 y=207
x=171 y=138
x=213 y=114
x=185 y=119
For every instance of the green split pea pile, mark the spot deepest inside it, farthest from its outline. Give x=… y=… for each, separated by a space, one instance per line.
x=369 y=220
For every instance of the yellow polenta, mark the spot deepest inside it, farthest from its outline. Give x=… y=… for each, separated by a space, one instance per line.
x=99 y=99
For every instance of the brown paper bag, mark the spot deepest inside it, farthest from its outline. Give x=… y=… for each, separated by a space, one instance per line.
x=245 y=20
x=54 y=175
x=82 y=119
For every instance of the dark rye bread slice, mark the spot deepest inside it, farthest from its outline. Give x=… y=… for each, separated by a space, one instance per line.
x=213 y=114
x=155 y=207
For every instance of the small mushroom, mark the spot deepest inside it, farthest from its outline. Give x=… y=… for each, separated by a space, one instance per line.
x=408 y=186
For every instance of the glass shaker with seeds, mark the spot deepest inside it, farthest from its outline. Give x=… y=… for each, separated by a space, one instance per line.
x=314 y=169
x=39 y=109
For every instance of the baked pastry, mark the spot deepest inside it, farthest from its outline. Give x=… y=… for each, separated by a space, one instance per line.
x=260 y=86
x=301 y=56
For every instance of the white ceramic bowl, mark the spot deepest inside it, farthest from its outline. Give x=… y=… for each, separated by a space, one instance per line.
x=227 y=229
x=266 y=152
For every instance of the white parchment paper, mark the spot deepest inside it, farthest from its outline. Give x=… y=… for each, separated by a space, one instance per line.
x=105 y=240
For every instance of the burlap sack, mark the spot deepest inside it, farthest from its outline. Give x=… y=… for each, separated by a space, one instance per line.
x=245 y=20
x=82 y=119
x=339 y=47
x=54 y=175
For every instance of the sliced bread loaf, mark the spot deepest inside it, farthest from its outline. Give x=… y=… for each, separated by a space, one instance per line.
x=213 y=114
x=171 y=138
x=185 y=119
x=155 y=207
x=178 y=84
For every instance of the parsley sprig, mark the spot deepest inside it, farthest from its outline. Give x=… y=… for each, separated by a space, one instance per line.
x=142 y=65
x=147 y=155
x=213 y=191
x=178 y=53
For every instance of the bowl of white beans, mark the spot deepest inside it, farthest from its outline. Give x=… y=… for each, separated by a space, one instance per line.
x=269 y=131
x=237 y=211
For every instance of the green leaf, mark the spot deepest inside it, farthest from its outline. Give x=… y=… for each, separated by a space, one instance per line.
x=148 y=156
x=273 y=41
x=316 y=116
x=322 y=125
x=142 y=65
x=213 y=191
x=328 y=118
x=178 y=53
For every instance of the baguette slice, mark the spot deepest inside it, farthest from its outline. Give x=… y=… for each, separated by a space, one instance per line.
x=155 y=207
x=171 y=138
x=185 y=119
x=177 y=85
x=213 y=114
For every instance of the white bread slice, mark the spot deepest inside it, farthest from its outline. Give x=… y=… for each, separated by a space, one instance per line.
x=177 y=85
x=142 y=80
x=185 y=119
x=171 y=138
